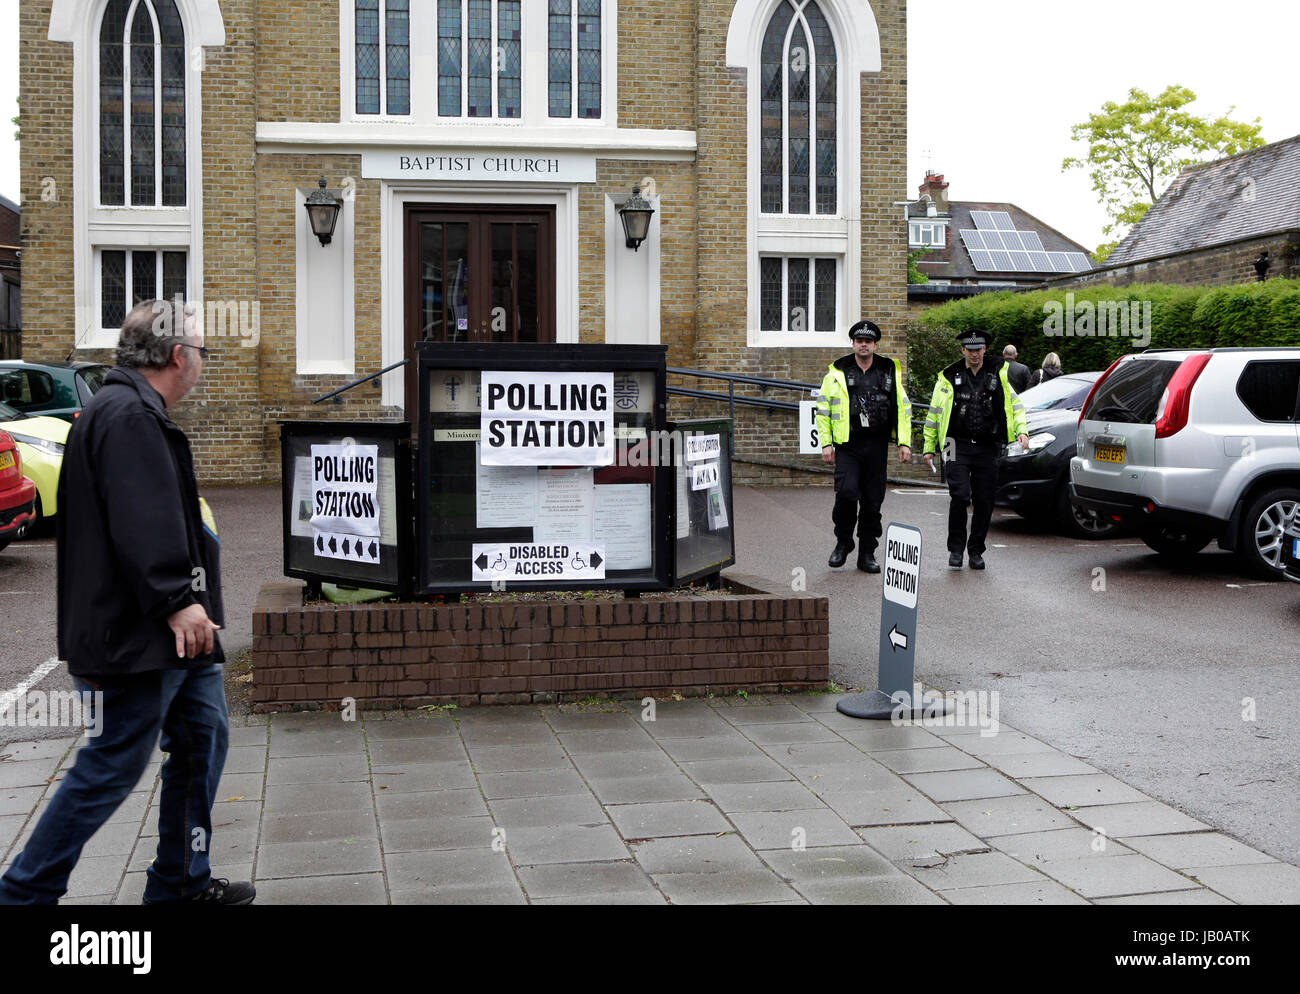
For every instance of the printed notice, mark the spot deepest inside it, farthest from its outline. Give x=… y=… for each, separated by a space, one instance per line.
x=704 y=476
x=565 y=502
x=507 y=495
x=547 y=419
x=622 y=525
x=301 y=509
x=345 y=504
x=700 y=447
x=683 y=503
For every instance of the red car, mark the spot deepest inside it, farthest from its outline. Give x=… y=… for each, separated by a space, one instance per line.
x=17 y=493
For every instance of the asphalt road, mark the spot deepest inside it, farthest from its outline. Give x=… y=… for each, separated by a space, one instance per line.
x=1144 y=679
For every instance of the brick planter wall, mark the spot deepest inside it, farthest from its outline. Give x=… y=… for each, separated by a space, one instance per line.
x=413 y=654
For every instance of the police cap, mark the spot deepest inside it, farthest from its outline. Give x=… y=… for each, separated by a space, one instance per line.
x=865 y=330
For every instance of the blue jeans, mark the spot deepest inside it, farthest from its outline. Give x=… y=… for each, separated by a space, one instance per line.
x=189 y=708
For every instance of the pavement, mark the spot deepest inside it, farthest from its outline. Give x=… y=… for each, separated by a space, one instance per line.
x=768 y=799
x=764 y=799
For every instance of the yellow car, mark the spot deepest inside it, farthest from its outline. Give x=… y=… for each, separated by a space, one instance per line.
x=40 y=444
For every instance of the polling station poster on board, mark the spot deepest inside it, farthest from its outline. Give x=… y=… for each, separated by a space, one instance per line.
x=533 y=418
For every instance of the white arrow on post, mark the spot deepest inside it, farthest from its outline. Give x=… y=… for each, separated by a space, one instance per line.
x=897 y=639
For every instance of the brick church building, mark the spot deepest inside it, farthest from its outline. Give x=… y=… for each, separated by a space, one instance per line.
x=481 y=150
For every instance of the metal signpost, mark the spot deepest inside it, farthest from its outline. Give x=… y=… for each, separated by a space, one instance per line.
x=902 y=580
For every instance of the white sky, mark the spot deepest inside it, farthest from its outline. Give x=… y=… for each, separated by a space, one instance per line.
x=994 y=86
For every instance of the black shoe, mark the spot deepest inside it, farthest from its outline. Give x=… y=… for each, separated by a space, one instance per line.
x=976 y=562
x=219 y=891
x=954 y=560
x=867 y=563
x=840 y=555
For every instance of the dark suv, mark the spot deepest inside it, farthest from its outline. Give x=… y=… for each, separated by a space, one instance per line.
x=50 y=389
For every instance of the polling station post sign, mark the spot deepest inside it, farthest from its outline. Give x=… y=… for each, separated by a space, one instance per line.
x=902 y=578
x=534 y=418
x=345 y=505
x=512 y=562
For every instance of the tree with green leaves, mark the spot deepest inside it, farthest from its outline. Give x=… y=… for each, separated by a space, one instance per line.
x=1137 y=148
x=914 y=275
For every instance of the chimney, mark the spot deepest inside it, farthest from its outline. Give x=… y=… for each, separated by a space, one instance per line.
x=935 y=186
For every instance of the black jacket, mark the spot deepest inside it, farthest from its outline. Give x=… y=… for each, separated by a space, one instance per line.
x=132 y=545
x=1043 y=374
x=1017 y=375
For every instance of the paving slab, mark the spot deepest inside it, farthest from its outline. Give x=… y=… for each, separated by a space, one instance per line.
x=422 y=776
x=730 y=746
x=813 y=702
x=452 y=877
x=1106 y=876
x=10 y=826
x=319 y=826
x=667 y=818
x=971 y=870
x=1060 y=843
x=630 y=790
x=410 y=728
x=461 y=896
x=818 y=755
x=537 y=735
x=854 y=776
x=1083 y=791
x=621 y=741
x=898 y=890
x=1138 y=818
x=561 y=722
x=760 y=714
x=1040 y=892
x=316 y=769
x=1259 y=883
x=1199 y=849
x=607 y=766
x=695 y=726
x=23 y=752
x=564 y=844
x=97 y=875
x=780 y=734
x=892 y=806
x=927 y=760
x=915 y=841
x=28 y=773
x=356 y=888
x=447 y=832
x=240 y=786
x=409 y=751
x=813 y=828
x=749 y=770
x=430 y=804
x=1039 y=764
x=695 y=854
x=245 y=759
x=1008 y=815
x=876 y=736
x=556 y=810
x=242 y=737
x=308 y=798
x=290 y=743
x=574 y=881
x=854 y=862
x=318 y=858
x=1198 y=896
x=1007 y=742
x=616 y=897
x=779 y=795
x=964 y=785
x=727 y=887
x=19 y=800
x=537 y=783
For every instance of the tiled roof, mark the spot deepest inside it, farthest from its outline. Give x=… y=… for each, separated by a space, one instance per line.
x=1248 y=195
x=954 y=262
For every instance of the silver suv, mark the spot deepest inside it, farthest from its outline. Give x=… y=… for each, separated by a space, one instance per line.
x=1189 y=446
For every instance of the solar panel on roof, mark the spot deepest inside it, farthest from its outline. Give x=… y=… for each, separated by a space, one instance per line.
x=992 y=240
x=983 y=260
x=1002 y=221
x=1022 y=262
x=1060 y=262
x=983 y=220
x=996 y=246
x=972 y=239
x=1079 y=261
x=1031 y=241
x=1002 y=261
x=1039 y=259
x=1011 y=240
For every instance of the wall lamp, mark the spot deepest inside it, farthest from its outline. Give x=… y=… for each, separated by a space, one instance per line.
x=323 y=211
x=635 y=215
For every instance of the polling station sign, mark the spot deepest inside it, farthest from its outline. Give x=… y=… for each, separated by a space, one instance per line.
x=531 y=418
x=514 y=562
x=345 y=506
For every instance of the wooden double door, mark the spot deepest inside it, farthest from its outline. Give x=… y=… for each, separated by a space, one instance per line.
x=477 y=274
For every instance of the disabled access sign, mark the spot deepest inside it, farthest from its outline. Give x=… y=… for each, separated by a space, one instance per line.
x=517 y=562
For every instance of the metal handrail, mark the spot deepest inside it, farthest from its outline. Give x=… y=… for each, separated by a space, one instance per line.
x=357 y=383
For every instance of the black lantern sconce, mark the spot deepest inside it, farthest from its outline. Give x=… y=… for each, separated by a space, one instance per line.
x=323 y=212
x=1262 y=266
x=635 y=215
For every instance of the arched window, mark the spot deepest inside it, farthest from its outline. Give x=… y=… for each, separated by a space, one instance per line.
x=142 y=105
x=799 y=102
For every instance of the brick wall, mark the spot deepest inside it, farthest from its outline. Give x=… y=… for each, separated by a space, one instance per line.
x=409 y=655
x=1217 y=266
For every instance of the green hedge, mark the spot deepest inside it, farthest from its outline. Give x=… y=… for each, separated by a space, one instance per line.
x=1179 y=317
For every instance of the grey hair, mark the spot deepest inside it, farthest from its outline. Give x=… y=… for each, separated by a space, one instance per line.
x=152 y=329
x=1051 y=361
x=1009 y=351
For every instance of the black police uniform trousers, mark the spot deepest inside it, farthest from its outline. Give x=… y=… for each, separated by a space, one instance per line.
x=972 y=476
x=860 y=467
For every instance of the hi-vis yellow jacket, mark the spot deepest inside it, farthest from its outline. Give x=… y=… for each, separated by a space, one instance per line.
x=936 y=421
x=833 y=404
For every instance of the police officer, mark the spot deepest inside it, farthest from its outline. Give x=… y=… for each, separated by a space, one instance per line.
x=862 y=408
x=974 y=412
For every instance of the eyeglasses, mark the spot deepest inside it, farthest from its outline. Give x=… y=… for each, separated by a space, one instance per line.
x=200 y=349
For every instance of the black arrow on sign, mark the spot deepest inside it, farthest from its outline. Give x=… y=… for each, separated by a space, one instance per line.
x=346 y=550
x=481 y=561
x=320 y=543
x=333 y=545
x=596 y=560
x=374 y=550
x=897 y=639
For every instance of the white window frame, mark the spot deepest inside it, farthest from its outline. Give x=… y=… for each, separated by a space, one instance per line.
x=99 y=227
x=857 y=47
x=348 y=12
x=534 y=78
x=158 y=251
x=838 y=322
x=936 y=229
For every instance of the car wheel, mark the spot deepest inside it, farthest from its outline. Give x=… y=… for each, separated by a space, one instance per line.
x=1263 y=531
x=1174 y=543
x=1079 y=522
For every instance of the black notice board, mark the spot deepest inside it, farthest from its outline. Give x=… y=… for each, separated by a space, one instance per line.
x=302 y=557
x=704 y=518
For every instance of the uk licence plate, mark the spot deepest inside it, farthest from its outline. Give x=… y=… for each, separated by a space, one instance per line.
x=6 y=460
x=1110 y=453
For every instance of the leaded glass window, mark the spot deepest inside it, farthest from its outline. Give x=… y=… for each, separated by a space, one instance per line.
x=574 y=50
x=142 y=104
x=127 y=278
x=798 y=103
x=480 y=57
x=797 y=293
x=382 y=41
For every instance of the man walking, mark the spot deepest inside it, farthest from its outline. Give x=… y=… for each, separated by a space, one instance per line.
x=139 y=604
x=1017 y=372
x=974 y=412
x=862 y=408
